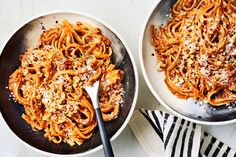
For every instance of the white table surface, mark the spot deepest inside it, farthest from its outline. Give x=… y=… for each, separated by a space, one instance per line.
x=127 y=18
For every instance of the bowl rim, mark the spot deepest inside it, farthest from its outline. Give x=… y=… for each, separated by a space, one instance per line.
x=148 y=82
x=134 y=102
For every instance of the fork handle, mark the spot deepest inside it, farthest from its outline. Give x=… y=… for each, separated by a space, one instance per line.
x=103 y=133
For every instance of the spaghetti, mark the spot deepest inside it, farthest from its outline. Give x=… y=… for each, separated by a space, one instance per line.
x=197 y=50
x=51 y=79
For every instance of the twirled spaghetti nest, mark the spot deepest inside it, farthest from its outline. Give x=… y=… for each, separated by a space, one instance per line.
x=51 y=78
x=197 y=50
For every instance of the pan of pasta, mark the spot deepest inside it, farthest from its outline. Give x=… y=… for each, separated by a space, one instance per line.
x=46 y=65
x=188 y=58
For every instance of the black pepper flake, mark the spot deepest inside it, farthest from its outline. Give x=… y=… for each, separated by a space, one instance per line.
x=56 y=21
x=152 y=54
x=43 y=28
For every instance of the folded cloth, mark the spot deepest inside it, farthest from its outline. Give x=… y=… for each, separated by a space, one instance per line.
x=164 y=135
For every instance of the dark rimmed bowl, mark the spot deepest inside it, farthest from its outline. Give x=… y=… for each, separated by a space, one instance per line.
x=26 y=36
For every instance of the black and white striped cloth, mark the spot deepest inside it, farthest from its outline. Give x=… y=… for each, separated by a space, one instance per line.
x=164 y=135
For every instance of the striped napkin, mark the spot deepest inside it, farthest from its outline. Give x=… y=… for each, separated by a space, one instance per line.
x=164 y=135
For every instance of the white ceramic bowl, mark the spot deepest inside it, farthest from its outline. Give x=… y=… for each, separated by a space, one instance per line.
x=189 y=109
